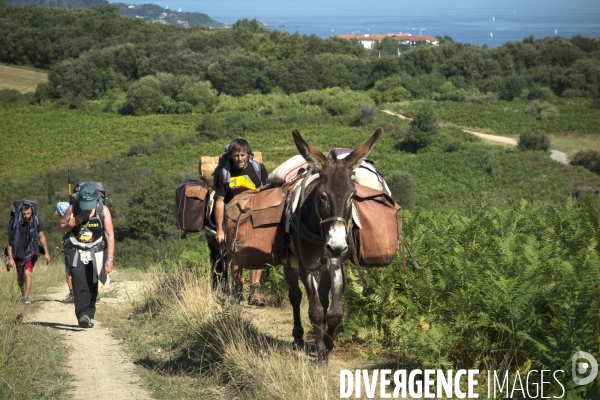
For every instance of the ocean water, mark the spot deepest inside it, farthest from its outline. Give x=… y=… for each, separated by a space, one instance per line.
x=467 y=21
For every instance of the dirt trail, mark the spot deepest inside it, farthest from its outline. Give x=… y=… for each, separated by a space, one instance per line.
x=556 y=155
x=99 y=365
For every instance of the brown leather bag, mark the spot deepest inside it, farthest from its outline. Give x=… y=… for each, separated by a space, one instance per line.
x=254 y=222
x=190 y=204
x=381 y=227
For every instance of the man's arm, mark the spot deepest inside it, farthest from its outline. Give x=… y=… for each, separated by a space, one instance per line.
x=45 y=245
x=219 y=214
x=11 y=261
x=109 y=233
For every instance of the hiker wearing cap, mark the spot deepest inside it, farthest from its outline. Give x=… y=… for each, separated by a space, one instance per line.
x=23 y=253
x=61 y=209
x=89 y=249
x=238 y=173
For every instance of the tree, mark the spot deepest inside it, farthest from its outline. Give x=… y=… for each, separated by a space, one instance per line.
x=423 y=128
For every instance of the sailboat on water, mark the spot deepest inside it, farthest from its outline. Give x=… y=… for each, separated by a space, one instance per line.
x=492 y=36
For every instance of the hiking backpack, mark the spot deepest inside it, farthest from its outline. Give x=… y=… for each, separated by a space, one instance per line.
x=99 y=203
x=190 y=205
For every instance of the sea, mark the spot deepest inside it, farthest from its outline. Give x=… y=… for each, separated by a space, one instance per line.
x=480 y=22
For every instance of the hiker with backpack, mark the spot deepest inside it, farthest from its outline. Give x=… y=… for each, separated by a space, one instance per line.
x=236 y=173
x=61 y=209
x=89 y=246
x=25 y=234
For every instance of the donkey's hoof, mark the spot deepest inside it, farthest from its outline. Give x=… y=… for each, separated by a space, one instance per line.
x=299 y=345
x=322 y=363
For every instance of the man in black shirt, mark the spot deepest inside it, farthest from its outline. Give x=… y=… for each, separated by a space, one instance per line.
x=238 y=174
x=20 y=259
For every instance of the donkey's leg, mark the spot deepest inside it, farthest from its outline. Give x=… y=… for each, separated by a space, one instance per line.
x=338 y=273
x=295 y=296
x=324 y=287
x=315 y=312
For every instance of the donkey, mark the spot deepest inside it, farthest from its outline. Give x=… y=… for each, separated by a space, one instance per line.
x=319 y=235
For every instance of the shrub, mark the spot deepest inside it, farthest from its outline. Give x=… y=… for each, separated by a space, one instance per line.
x=150 y=215
x=210 y=127
x=145 y=97
x=588 y=159
x=542 y=110
x=423 y=128
x=532 y=140
x=365 y=115
x=10 y=96
x=402 y=187
x=540 y=93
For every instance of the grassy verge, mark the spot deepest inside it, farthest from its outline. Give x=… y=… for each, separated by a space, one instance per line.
x=192 y=345
x=23 y=373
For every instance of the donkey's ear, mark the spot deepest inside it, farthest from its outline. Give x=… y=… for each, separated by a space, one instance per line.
x=312 y=156
x=354 y=159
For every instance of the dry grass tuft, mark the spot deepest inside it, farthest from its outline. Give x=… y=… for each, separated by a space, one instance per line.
x=225 y=344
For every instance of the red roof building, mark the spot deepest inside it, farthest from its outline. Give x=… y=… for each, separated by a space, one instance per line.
x=369 y=39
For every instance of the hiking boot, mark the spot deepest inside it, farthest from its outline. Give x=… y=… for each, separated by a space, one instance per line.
x=25 y=300
x=70 y=298
x=236 y=294
x=255 y=298
x=85 y=322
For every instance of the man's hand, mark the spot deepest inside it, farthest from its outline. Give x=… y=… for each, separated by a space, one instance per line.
x=220 y=236
x=11 y=263
x=108 y=266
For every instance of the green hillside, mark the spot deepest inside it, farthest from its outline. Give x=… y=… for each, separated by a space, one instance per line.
x=146 y=12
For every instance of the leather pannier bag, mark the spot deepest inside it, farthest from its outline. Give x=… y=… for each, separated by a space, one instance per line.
x=190 y=204
x=254 y=221
x=381 y=227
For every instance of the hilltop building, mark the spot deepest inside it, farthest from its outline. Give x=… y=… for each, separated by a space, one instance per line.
x=369 y=39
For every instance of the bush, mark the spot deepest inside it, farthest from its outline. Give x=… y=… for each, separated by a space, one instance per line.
x=532 y=140
x=542 y=110
x=365 y=115
x=145 y=97
x=540 y=93
x=151 y=214
x=10 y=96
x=588 y=159
x=402 y=187
x=210 y=128
x=423 y=128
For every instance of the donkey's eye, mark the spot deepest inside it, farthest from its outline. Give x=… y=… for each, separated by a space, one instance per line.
x=323 y=197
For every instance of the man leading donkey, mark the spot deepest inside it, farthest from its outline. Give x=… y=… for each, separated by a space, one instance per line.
x=237 y=173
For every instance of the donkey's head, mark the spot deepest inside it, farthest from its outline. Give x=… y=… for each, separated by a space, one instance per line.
x=334 y=190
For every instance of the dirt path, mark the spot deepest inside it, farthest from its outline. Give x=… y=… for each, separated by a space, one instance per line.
x=99 y=365
x=559 y=156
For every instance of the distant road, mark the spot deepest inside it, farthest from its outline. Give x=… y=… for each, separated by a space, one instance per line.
x=554 y=154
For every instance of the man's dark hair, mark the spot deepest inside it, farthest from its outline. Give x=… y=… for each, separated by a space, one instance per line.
x=239 y=145
x=26 y=206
